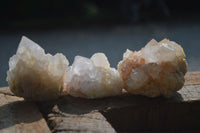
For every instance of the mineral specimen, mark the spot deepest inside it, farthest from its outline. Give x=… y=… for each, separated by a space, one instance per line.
x=35 y=75
x=92 y=78
x=157 y=69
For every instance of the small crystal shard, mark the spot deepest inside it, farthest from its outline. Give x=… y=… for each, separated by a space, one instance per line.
x=100 y=60
x=92 y=78
x=157 y=69
x=35 y=75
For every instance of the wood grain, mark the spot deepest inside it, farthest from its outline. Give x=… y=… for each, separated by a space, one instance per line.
x=90 y=122
x=70 y=114
x=192 y=78
x=19 y=116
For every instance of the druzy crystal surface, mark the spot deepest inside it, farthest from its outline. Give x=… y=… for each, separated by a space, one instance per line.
x=157 y=69
x=35 y=75
x=92 y=78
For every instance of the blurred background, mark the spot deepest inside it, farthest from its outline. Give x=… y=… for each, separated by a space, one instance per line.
x=83 y=27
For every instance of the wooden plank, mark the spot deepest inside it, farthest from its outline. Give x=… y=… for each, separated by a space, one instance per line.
x=192 y=78
x=89 y=122
x=19 y=116
x=70 y=114
x=127 y=113
x=155 y=116
x=189 y=93
x=20 y=121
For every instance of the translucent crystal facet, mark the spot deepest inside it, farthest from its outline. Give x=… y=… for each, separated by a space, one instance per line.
x=35 y=75
x=157 y=69
x=92 y=78
x=100 y=60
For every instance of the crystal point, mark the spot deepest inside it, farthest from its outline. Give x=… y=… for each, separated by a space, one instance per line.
x=35 y=75
x=100 y=60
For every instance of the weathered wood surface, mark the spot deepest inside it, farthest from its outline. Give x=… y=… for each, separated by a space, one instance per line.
x=18 y=116
x=192 y=78
x=70 y=114
x=128 y=113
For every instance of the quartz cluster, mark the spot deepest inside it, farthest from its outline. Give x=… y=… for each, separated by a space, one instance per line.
x=35 y=75
x=92 y=78
x=157 y=69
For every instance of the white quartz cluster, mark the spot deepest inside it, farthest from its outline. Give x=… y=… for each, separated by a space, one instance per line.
x=35 y=75
x=93 y=78
x=157 y=69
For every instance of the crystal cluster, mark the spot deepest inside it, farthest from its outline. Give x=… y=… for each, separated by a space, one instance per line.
x=157 y=69
x=35 y=75
x=92 y=78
